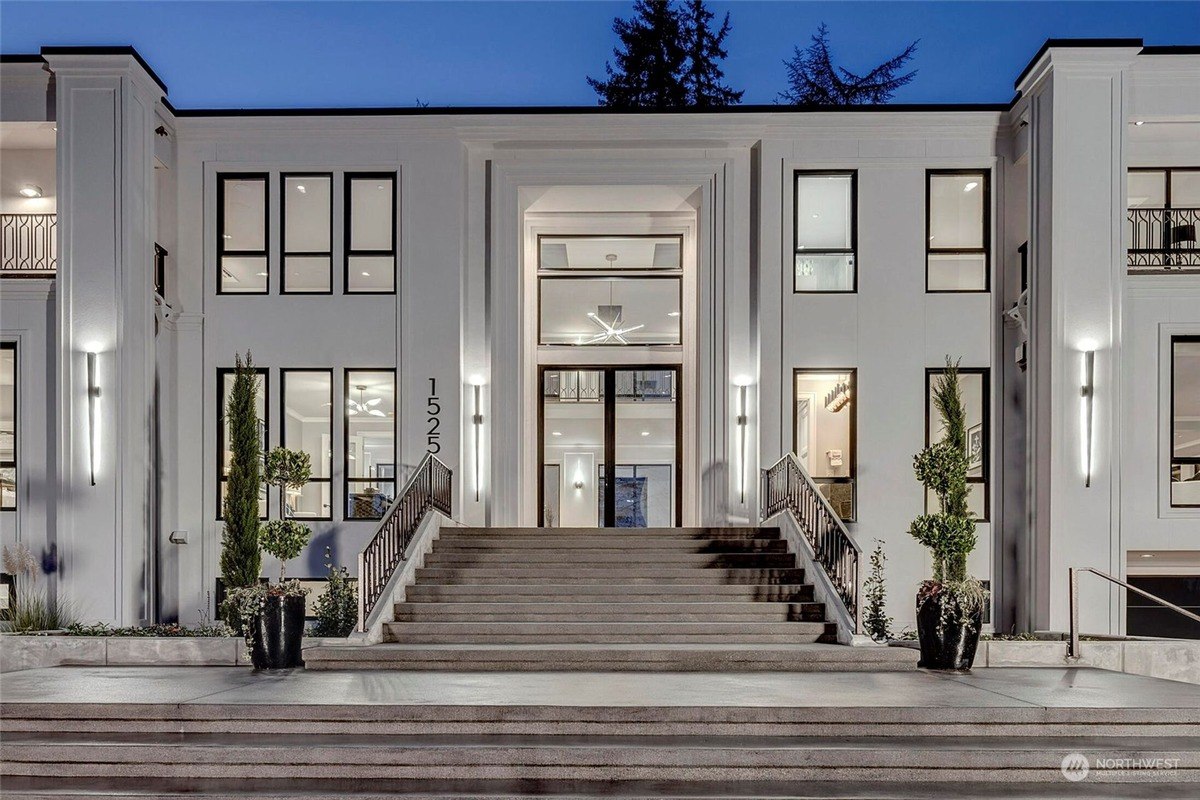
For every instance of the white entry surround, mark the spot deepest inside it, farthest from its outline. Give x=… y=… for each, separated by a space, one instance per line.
x=474 y=189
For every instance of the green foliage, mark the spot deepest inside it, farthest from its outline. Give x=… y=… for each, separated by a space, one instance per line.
x=285 y=539
x=243 y=605
x=942 y=468
x=241 y=561
x=813 y=79
x=171 y=630
x=30 y=606
x=875 y=620
x=288 y=469
x=337 y=609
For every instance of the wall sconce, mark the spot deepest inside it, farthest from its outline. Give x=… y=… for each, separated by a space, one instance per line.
x=93 y=397
x=1087 y=394
x=741 y=419
x=579 y=484
x=477 y=422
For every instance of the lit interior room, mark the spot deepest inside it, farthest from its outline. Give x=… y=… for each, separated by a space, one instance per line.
x=825 y=429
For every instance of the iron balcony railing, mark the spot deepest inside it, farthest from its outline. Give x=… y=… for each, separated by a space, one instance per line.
x=1162 y=239
x=787 y=486
x=427 y=489
x=28 y=245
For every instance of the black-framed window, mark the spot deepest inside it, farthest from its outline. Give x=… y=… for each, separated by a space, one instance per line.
x=243 y=233
x=1163 y=214
x=306 y=425
x=225 y=378
x=369 y=441
x=8 y=426
x=1185 y=422
x=306 y=232
x=826 y=232
x=370 y=239
x=825 y=432
x=975 y=385
x=958 y=230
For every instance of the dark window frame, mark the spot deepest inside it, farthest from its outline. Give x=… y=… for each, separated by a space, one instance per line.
x=1168 y=173
x=14 y=464
x=610 y=236
x=284 y=253
x=265 y=372
x=348 y=252
x=283 y=420
x=852 y=461
x=1171 y=458
x=985 y=175
x=852 y=251
x=986 y=420
x=347 y=481
x=673 y=275
x=222 y=252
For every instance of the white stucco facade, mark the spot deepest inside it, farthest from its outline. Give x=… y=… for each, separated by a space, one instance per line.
x=474 y=190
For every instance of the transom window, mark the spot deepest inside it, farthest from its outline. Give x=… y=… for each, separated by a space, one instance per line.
x=957 y=230
x=610 y=290
x=826 y=227
x=1185 y=422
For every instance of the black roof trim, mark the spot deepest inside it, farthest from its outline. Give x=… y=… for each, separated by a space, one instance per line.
x=581 y=110
x=122 y=50
x=1073 y=43
x=1171 y=50
x=21 y=58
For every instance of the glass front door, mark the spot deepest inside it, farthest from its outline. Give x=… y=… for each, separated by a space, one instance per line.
x=610 y=447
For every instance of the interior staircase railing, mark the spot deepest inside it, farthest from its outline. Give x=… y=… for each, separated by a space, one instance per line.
x=787 y=486
x=428 y=489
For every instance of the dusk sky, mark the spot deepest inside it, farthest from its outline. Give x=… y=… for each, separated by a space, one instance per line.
x=232 y=54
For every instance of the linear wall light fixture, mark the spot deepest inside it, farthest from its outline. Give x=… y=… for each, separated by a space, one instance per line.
x=1087 y=395
x=477 y=422
x=93 y=398
x=742 y=383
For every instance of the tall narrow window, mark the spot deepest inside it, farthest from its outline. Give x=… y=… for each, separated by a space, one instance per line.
x=1185 y=421
x=306 y=424
x=826 y=232
x=306 y=208
x=370 y=442
x=370 y=233
x=825 y=427
x=8 y=426
x=974 y=384
x=957 y=230
x=243 y=266
x=225 y=377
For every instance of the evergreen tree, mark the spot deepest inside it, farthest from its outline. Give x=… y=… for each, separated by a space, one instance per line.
x=241 y=561
x=703 y=76
x=814 y=80
x=650 y=60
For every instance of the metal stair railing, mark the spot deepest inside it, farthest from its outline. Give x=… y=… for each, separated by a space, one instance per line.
x=427 y=489
x=787 y=486
x=1073 y=573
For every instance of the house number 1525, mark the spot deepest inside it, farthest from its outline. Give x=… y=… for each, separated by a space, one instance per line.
x=434 y=410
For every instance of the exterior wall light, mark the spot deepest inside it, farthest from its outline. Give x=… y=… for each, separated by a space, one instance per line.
x=477 y=423
x=1087 y=395
x=93 y=399
x=742 y=419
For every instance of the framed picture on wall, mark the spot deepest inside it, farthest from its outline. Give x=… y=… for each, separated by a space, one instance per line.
x=975 y=448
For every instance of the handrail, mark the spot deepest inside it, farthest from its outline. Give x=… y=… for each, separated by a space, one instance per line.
x=787 y=486
x=28 y=245
x=427 y=489
x=1073 y=573
x=1163 y=239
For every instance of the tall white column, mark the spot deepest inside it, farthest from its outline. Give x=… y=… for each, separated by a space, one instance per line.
x=1078 y=97
x=106 y=118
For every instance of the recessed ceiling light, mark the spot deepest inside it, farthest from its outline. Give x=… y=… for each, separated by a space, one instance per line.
x=816 y=216
x=1147 y=555
x=1139 y=123
x=300 y=188
x=556 y=433
x=227 y=236
x=261 y=274
x=366 y=274
x=672 y=313
x=29 y=190
x=970 y=186
x=645 y=433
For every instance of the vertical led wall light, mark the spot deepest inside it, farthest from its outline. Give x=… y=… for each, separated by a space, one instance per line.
x=1087 y=393
x=742 y=383
x=477 y=422
x=93 y=397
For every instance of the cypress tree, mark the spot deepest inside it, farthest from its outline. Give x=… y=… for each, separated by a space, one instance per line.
x=241 y=561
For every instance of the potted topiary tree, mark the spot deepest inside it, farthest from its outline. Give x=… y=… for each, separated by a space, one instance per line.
x=950 y=606
x=272 y=617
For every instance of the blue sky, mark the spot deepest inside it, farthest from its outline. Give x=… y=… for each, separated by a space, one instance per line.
x=311 y=54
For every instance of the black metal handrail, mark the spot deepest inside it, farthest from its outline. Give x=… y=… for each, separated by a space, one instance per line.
x=787 y=486
x=28 y=245
x=1073 y=601
x=1163 y=239
x=427 y=489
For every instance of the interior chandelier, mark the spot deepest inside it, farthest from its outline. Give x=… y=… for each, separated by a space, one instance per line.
x=364 y=407
x=838 y=397
x=608 y=319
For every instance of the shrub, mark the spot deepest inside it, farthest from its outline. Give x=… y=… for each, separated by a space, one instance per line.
x=876 y=622
x=337 y=609
x=30 y=607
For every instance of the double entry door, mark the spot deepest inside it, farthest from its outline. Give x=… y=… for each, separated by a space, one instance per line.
x=609 y=440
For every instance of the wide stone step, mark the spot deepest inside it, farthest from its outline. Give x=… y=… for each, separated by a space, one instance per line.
x=608 y=632
x=605 y=593
x=609 y=612
x=648 y=546
x=648 y=573
x=564 y=532
x=610 y=558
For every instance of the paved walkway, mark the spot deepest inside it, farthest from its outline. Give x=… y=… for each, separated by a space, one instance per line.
x=983 y=688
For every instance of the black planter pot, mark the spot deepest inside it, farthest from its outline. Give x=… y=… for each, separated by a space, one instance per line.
x=278 y=634
x=949 y=646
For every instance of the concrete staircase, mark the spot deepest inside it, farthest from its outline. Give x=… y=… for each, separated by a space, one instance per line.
x=529 y=599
